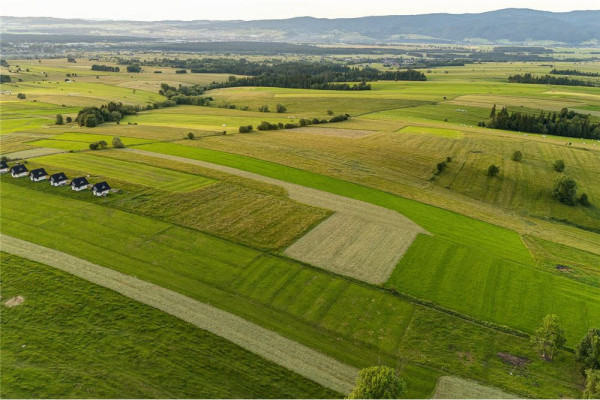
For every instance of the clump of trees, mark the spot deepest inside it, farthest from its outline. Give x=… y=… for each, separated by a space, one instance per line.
x=548 y=80
x=111 y=112
x=189 y=95
x=246 y=128
x=280 y=108
x=565 y=123
x=59 y=119
x=117 y=143
x=134 y=68
x=559 y=165
x=264 y=108
x=106 y=68
x=4 y=78
x=101 y=145
x=565 y=191
x=379 y=382
x=587 y=353
x=21 y=96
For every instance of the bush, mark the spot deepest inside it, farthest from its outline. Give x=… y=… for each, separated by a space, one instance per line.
x=267 y=126
x=117 y=143
x=378 y=382
x=191 y=135
x=59 y=119
x=441 y=167
x=584 y=201
x=247 y=129
x=517 y=156
x=565 y=190
x=134 y=68
x=592 y=384
x=264 y=108
x=181 y=71
x=493 y=170
x=280 y=108
x=291 y=126
x=21 y=96
x=329 y=112
x=69 y=120
x=448 y=159
x=559 y=165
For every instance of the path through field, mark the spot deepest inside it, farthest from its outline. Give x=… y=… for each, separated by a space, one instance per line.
x=294 y=356
x=360 y=240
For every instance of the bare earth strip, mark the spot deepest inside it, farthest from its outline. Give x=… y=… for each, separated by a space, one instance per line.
x=360 y=240
x=294 y=356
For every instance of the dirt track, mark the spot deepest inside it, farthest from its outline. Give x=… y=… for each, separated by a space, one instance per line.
x=360 y=240
x=290 y=354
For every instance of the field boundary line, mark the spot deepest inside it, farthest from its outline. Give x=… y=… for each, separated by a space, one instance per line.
x=272 y=346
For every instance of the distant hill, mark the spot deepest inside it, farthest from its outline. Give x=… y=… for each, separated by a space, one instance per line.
x=508 y=26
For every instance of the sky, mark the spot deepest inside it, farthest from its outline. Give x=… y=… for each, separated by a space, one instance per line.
x=152 y=10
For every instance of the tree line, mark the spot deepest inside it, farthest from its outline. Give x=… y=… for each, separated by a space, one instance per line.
x=565 y=123
x=548 y=80
x=111 y=112
x=573 y=72
x=106 y=68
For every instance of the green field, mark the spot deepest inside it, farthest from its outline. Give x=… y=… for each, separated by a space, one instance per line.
x=502 y=253
x=139 y=352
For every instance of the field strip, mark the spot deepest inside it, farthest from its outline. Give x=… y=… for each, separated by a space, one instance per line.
x=360 y=239
x=453 y=387
x=292 y=355
x=31 y=153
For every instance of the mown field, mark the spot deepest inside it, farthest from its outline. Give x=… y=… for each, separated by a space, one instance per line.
x=473 y=289
x=139 y=352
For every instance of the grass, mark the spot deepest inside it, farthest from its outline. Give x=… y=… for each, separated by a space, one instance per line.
x=451 y=387
x=358 y=325
x=141 y=174
x=460 y=241
x=447 y=133
x=71 y=338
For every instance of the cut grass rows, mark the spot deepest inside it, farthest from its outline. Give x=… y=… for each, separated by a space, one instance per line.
x=73 y=339
x=354 y=323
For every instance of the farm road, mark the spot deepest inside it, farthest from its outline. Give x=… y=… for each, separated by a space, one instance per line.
x=292 y=355
x=360 y=240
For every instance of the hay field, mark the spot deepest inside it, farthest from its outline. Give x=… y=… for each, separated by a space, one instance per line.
x=303 y=360
x=453 y=387
x=141 y=174
x=369 y=239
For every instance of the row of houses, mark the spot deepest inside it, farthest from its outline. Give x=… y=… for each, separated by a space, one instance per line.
x=58 y=179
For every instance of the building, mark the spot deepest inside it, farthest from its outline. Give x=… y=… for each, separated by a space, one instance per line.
x=100 y=189
x=3 y=167
x=19 y=170
x=38 y=174
x=59 y=179
x=78 y=184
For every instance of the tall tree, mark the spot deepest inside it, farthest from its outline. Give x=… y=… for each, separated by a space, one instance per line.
x=549 y=338
x=588 y=349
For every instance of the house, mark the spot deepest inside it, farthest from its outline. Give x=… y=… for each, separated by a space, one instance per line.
x=78 y=184
x=100 y=189
x=58 y=179
x=38 y=174
x=18 y=171
x=3 y=167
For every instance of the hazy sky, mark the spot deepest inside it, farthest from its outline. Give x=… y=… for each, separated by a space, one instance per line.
x=265 y=9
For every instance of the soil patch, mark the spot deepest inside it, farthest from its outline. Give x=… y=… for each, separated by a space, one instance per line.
x=14 y=301
x=515 y=361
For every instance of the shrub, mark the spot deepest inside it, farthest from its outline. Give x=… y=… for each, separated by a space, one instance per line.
x=267 y=126
x=190 y=135
x=264 y=108
x=584 y=201
x=559 y=165
x=448 y=159
x=565 y=190
x=69 y=120
x=246 y=128
x=280 y=108
x=21 y=96
x=329 y=112
x=117 y=143
x=493 y=170
x=59 y=119
x=441 y=167
x=378 y=382
x=102 y=145
x=180 y=71
x=517 y=156
x=134 y=68
x=592 y=384
x=291 y=126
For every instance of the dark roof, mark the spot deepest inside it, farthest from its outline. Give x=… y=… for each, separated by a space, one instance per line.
x=19 y=168
x=3 y=164
x=79 y=181
x=101 y=187
x=59 y=177
x=39 y=172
